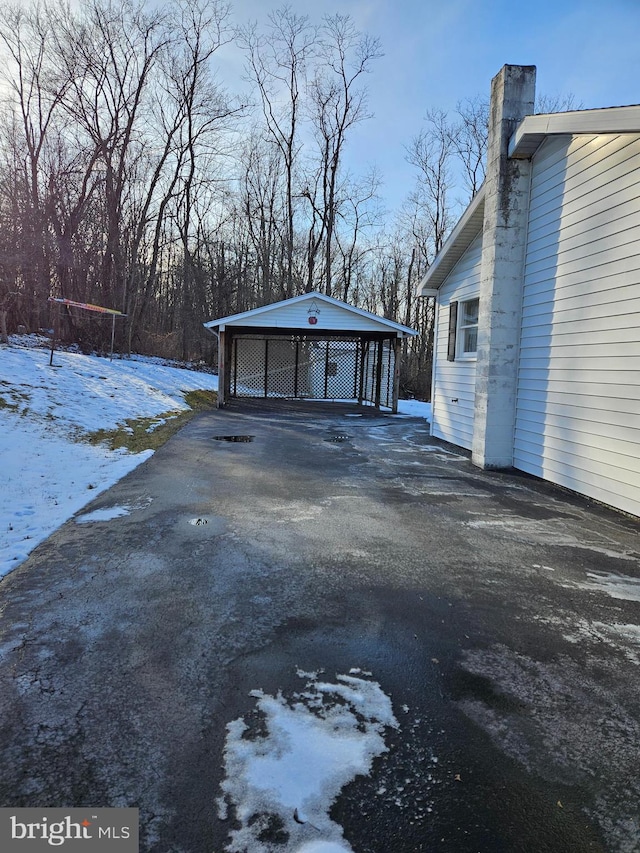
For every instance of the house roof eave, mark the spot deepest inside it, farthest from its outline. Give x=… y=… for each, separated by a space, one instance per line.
x=466 y=230
x=533 y=130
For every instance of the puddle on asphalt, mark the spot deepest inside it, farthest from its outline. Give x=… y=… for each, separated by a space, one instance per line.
x=239 y=438
x=209 y=525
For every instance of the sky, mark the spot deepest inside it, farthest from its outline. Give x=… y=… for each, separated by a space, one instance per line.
x=438 y=52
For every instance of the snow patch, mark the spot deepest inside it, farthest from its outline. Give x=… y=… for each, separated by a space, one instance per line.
x=415 y=408
x=105 y=514
x=283 y=778
x=624 y=638
x=616 y=586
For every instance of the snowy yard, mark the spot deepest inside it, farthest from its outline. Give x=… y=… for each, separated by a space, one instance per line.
x=49 y=473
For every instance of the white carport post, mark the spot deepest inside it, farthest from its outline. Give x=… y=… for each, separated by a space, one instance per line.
x=397 y=349
x=222 y=368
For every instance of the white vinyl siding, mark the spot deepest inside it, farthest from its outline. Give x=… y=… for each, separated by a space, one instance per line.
x=454 y=382
x=578 y=402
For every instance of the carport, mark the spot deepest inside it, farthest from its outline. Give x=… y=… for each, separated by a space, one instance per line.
x=309 y=347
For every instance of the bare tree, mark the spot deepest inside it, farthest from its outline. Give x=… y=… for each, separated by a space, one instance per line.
x=338 y=102
x=202 y=30
x=469 y=138
x=36 y=90
x=431 y=153
x=109 y=52
x=278 y=62
x=266 y=215
x=359 y=214
x=469 y=133
x=557 y=103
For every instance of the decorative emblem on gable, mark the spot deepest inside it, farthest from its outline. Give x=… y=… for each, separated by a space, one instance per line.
x=313 y=311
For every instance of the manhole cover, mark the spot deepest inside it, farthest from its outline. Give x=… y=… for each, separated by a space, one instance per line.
x=243 y=438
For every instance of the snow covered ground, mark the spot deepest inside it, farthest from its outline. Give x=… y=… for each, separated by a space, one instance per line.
x=48 y=472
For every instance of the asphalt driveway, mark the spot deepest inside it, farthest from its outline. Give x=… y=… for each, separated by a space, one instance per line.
x=500 y=615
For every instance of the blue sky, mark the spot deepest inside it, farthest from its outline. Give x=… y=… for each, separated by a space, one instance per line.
x=438 y=52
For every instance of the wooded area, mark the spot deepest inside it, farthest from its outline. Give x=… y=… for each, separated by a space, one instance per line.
x=130 y=177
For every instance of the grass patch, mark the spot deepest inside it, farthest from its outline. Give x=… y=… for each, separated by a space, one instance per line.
x=138 y=434
x=14 y=399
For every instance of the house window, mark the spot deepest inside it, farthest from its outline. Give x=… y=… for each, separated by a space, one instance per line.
x=467 y=332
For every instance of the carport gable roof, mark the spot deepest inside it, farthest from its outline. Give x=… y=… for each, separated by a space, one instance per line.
x=312 y=312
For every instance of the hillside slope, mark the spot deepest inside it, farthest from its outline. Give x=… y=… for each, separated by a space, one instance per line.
x=48 y=416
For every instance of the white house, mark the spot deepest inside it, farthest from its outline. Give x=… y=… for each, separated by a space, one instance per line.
x=537 y=346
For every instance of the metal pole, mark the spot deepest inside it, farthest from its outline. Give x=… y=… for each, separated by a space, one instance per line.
x=397 y=350
x=235 y=344
x=326 y=371
x=222 y=369
x=390 y=376
x=113 y=335
x=378 y=372
x=364 y=349
x=229 y=352
x=56 y=323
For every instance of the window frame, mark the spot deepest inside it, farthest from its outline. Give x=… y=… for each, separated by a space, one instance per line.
x=462 y=330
